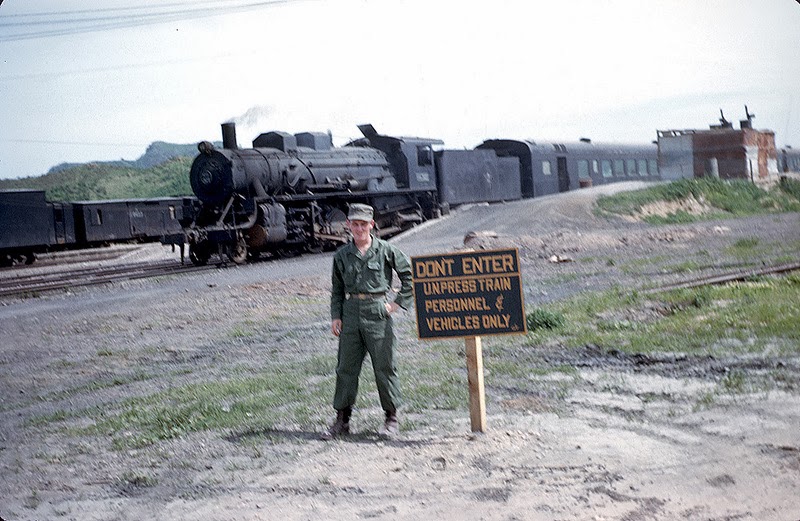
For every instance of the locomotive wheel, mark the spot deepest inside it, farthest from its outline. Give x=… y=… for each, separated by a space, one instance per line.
x=238 y=253
x=199 y=254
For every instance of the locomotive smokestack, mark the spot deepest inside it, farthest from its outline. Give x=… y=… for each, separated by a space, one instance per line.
x=229 y=135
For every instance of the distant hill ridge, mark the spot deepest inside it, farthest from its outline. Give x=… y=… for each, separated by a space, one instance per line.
x=162 y=171
x=157 y=152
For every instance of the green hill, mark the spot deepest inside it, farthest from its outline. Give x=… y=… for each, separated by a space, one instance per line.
x=162 y=171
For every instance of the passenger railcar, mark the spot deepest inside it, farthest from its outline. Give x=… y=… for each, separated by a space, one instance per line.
x=789 y=160
x=549 y=168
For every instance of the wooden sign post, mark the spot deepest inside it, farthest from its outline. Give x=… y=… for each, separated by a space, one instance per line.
x=469 y=295
x=477 y=397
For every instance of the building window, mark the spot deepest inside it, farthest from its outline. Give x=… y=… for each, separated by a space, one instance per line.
x=606 y=166
x=546 y=168
x=583 y=169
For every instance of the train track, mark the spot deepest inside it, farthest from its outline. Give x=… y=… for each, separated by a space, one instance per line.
x=71 y=276
x=722 y=278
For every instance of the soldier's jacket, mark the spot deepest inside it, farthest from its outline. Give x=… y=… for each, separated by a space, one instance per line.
x=371 y=273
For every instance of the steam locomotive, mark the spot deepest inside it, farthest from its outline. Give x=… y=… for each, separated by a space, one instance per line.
x=289 y=193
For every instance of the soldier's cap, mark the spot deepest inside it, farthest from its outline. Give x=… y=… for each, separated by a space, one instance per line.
x=360 y=212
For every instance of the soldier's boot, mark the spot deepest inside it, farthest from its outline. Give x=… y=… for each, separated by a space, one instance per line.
x=391 y=427
x=340 y=426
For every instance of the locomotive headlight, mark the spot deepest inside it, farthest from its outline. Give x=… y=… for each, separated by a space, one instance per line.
x=206 y=178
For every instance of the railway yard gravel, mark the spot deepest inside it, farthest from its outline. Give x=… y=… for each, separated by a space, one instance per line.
x=624 y=440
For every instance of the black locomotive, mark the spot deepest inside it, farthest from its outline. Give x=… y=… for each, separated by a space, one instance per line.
x=289 y=193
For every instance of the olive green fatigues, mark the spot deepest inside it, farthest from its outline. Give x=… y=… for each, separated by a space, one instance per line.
x=366 y=326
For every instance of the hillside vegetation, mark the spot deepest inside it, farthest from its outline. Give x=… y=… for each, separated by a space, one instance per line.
x=163 y=171
x=690 y=200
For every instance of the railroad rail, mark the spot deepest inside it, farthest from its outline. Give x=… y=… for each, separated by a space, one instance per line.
x=723 y=278
x=71 y=276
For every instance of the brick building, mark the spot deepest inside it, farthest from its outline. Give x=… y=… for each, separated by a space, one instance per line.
x=722 y=151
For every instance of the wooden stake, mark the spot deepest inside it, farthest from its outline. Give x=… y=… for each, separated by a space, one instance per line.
x=477 y=399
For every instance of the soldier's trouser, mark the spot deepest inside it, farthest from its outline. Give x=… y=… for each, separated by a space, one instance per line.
x=366 y=328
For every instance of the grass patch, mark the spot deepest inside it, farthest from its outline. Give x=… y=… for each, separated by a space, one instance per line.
x=294 y=395
x=744 y=248
x=745 y=317
x=723 y=198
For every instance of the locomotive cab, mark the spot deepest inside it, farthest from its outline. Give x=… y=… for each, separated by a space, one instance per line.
x=411 y=158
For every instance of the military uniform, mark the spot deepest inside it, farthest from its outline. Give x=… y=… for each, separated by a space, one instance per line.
x=358 y=298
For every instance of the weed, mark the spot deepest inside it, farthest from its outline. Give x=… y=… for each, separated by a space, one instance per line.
x=541 y=318
x=733 y=382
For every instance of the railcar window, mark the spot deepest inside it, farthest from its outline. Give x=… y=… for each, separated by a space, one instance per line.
x=631 y=164
x=619 y=167
x=595 y=167
x=652 y=165
x=642 y=166
x=546 y=168
x=606 y=165
x=98 y=217
x=172 y=212
x=583 y=169
x=424 y=156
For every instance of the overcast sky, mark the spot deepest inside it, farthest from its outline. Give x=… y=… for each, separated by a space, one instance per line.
x=93 y=80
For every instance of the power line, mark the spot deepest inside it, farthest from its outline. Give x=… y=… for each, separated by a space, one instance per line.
x=138 y=16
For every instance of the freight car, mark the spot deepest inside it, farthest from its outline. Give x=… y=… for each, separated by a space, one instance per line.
x=31 y=225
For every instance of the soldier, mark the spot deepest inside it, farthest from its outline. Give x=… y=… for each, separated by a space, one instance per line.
x=361 y=318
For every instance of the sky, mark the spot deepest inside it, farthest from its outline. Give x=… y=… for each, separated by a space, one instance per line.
x=92 y=80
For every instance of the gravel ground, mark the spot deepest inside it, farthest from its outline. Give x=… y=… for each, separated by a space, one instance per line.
x=625 y=440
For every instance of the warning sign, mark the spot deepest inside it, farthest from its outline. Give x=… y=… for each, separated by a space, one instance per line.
x=468 y=294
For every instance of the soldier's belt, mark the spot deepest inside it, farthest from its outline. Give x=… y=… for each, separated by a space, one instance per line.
x=364 y=296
